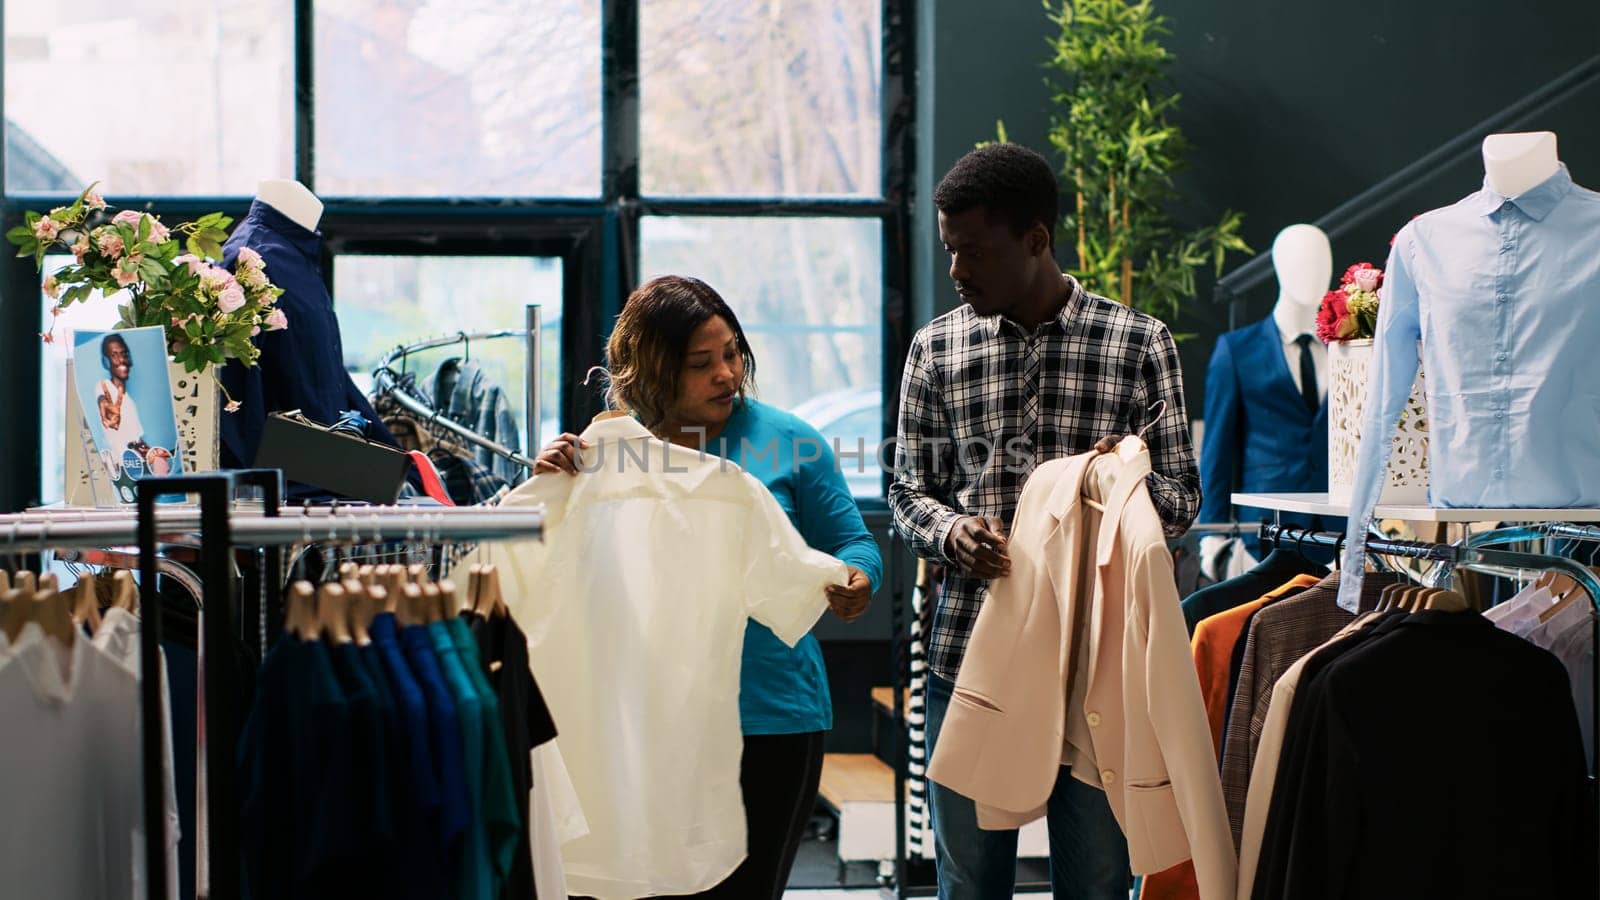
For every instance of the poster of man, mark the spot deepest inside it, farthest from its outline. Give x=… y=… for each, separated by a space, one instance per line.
x=122 y=384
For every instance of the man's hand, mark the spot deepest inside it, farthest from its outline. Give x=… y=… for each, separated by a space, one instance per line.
x=1109 y=443
x=110 y=412
x=978 y=545
x=849 y=601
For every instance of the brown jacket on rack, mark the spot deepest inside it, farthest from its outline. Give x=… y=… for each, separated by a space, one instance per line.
x=1080 y=657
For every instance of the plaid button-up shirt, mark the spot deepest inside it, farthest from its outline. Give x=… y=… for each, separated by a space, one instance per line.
x=983 y=401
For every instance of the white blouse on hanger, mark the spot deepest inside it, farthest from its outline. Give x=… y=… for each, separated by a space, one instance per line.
x=634 y=605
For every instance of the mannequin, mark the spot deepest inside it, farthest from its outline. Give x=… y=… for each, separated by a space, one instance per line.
x=1491 y=295
x=293 y=199
x=1514 y=163
x=303 y=366
x=1303 y=259
x=1261 y=434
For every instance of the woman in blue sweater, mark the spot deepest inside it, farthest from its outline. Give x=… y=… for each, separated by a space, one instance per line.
x=680 y=362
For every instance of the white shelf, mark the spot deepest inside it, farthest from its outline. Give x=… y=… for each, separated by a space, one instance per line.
x=1318 y=505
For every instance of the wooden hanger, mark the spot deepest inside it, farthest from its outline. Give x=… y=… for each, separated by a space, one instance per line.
x=1446 y=601
x=378 y=601
x=367 y=574
x=348 y=570
x=300 y=618
x=449 y=606
x=124 y=592
x=492 y=601
x=410 y=606
x=86 y=604
x=333 y=613
x=361 y=611
x=1386 y=597
x=5 y=581
x=26 y=581
x=53 y=612
x=430 y=606
x=418 y=573
x=18 y=605
x=474 y=586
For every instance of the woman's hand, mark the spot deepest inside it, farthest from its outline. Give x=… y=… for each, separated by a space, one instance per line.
x=560 y=455
x=849 y=601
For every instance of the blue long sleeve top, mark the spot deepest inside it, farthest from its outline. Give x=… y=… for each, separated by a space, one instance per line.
x=784 y=690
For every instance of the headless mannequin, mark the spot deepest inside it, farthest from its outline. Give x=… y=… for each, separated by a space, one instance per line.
x=1261 y=435
x=1303 y=259
x=1515 y=163
x=293 y=199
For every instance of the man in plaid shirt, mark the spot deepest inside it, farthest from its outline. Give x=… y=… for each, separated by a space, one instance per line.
x=1030 y=367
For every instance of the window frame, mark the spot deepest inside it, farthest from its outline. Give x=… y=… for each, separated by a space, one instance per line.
x=597 y=239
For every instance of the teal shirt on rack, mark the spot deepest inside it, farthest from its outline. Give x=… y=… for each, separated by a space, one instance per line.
x=784 y=690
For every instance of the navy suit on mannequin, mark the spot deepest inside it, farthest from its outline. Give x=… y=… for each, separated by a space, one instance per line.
x=1260 y=436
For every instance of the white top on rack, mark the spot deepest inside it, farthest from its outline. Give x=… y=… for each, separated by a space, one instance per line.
x=1319 y=505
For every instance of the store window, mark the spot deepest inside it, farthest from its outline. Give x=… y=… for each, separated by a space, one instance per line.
x=458 y=97
x=386 y=301
x=179 y=97
x=476 y=156
x=760 y=99
x=808 y=293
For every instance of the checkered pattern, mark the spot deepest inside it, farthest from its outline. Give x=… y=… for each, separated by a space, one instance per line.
x=973 y=382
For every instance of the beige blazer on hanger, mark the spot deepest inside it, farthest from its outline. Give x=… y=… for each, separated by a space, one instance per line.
x=1080 y=657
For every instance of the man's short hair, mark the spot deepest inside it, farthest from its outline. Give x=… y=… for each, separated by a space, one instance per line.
x=1009 y=180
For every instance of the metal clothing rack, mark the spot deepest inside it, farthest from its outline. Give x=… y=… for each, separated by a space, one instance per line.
x=387 y=381
x=221 y=530
x=1477 y=553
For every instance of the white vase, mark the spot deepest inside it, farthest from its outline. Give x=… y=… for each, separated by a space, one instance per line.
x=196 y=401
x=1407 y=483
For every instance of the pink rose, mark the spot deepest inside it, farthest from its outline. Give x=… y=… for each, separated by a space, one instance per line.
x=125 y=274
x=255 y=279
x=94 y=201
x=215 y=280
x=46 y=229
x=52 y=288
x=232 y=406
x=128 y=217
x=158 y=231
x=195 y=264
x=47 y=337
x=231 y=298
x=110 y=244
x=80 y=248
x=255 y=330
x=250 y=258
x=1368 y=279
x=277 y=321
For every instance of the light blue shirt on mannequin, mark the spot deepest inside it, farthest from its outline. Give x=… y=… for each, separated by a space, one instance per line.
x=1504 y=294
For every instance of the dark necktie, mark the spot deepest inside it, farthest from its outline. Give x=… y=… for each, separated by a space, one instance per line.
x=1308 y=374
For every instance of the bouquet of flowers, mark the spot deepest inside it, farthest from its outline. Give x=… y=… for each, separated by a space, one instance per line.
x=209 y=313
x=1350 y=311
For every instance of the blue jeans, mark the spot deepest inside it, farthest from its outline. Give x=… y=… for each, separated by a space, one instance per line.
x=1088 y=853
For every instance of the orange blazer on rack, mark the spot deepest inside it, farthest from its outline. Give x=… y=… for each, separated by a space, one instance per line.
x=1080 y=657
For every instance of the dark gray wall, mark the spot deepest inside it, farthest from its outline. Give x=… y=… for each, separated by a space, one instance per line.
x=1290 y=110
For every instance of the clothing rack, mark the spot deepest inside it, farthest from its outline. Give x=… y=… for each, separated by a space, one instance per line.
x=1475 y=553
x=387 y=381
x=222 y=530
